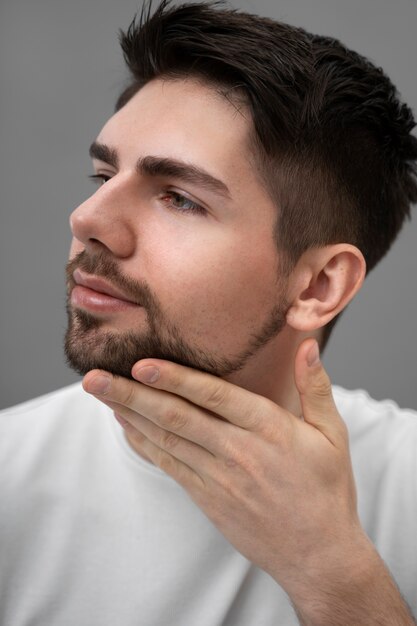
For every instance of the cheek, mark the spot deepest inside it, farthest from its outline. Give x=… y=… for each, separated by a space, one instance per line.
x=216 y=286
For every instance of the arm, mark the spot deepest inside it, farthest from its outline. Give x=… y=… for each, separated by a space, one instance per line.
x=280 y=489
x=363 y=594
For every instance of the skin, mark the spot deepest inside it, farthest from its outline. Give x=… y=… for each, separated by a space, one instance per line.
x=266 y=478
x=222 y=267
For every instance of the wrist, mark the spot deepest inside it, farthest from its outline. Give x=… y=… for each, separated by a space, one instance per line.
x=349 y=586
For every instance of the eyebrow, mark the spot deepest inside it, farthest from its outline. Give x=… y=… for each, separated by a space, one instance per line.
x=162 y=166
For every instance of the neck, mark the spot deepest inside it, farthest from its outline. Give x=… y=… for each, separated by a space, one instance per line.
x=270 y=372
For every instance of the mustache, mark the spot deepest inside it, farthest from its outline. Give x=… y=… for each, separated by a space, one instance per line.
x=102 y=265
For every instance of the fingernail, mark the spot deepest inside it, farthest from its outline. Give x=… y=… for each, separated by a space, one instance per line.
x=121 y=420
x=313 y=355
x=147 y=374
x=100 y=384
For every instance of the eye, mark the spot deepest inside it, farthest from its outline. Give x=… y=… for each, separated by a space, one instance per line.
x=178 y=202
x=99 y=179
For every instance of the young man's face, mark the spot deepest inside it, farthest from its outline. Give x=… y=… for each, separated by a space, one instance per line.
x=195 y=257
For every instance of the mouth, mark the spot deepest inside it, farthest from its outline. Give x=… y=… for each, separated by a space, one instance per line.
x=95 y=294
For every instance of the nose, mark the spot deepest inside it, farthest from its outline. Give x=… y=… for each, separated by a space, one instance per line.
x=103 y=221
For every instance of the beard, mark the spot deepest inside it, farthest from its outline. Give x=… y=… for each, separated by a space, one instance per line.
x=88 y=346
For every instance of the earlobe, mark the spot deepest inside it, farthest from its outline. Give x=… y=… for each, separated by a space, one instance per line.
x=327 y=280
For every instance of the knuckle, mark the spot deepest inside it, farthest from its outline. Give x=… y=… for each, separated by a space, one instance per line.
x=174 y=380
x=174 y=418
x=322 y=387
x=264 y=408
x=235 y=459
x=237 y=456
x=262 y=415
x=127 y=393
x=169 y=440
x=166 y=462
x=215 y=396
x=232 y=456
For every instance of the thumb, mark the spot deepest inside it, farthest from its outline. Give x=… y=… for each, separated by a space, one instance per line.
x=316 y=395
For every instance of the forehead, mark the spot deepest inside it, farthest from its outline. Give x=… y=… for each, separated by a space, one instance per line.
x=183 y=119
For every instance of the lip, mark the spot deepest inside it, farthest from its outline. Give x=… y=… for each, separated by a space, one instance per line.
x=96 y=294
x=100 y=285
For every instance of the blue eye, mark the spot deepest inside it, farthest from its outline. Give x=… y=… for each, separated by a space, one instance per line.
x=174 y=200
x=182 y=204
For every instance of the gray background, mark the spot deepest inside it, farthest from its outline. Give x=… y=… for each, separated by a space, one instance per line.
x=60 y=72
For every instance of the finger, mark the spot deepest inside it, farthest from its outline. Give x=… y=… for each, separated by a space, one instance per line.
x=234 y=404
x=179 y=471
x=166 y=410
x=315 y=389
x=194 y=456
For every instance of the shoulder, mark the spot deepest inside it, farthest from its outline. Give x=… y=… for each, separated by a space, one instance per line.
x=382 y=435
x=383 y=446
x=364 y=414
x=69 y=404
x=383 y=442
x=55 y=398
x=66 y=413
x=67 y=400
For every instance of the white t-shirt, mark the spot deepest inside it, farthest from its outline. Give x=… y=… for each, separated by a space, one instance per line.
x=93 y=535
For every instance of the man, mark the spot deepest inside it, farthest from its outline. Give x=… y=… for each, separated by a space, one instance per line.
x=251 y=175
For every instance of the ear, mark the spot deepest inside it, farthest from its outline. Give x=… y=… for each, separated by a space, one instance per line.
x=323 y=283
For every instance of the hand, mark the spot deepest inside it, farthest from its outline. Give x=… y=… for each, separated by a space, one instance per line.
x=278 y=487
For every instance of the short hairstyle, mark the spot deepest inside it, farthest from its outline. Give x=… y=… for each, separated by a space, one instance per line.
x=331 y=138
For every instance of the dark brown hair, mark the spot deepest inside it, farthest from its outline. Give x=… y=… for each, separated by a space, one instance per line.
x=331 y=137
